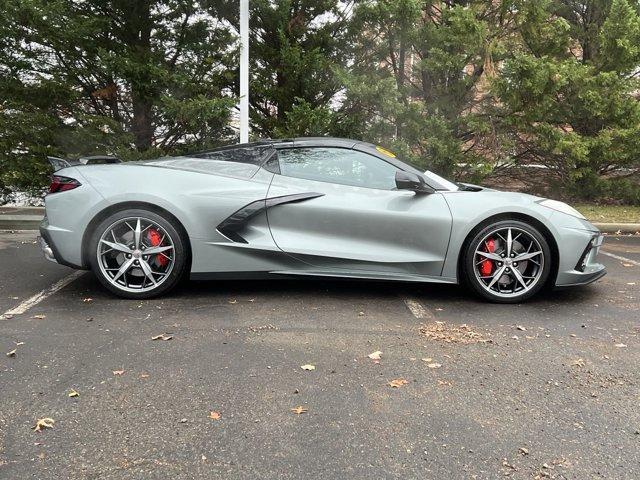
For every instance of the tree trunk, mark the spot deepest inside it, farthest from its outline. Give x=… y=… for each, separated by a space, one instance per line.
x=143 y=90
x=142 y=126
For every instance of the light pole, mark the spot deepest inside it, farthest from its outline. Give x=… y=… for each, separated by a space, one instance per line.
x=244 y=71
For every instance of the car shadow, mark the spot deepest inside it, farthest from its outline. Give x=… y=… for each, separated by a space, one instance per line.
x=345 y=289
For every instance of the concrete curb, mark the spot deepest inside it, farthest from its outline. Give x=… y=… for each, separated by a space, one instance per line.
x=613 y=228
x=13 y=219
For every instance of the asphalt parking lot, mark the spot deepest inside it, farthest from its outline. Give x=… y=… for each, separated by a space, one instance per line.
x=547 y=389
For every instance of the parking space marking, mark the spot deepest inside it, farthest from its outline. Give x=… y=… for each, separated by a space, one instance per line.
x=618 y=257
x=38 y=297
x=417 y=309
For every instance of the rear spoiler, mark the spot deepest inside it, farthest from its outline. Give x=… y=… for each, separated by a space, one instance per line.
x=59 y=163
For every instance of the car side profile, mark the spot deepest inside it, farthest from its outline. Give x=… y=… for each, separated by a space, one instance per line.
x=307 y=207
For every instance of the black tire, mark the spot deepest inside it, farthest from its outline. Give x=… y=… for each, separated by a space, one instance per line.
x=180 y=252
x=472 y=280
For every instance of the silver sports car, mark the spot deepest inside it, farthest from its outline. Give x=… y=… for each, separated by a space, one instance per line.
x=320 y=207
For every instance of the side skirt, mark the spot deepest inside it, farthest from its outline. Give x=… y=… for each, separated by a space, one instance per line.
x=289 y=274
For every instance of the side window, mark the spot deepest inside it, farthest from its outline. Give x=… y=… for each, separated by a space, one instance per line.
x=337 y=165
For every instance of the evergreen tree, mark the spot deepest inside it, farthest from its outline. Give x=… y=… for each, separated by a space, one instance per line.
x=573 y=109
x=103 y=76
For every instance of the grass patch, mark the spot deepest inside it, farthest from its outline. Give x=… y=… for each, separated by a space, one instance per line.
x=610 y=213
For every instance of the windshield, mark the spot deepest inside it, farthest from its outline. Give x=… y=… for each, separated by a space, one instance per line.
x=442 y=181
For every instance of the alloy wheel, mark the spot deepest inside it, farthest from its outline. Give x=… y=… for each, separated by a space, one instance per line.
x=136 y=254
x=508 y=262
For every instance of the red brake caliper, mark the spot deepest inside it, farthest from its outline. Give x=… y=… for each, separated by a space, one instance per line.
x=154 y=238
x=486 y=267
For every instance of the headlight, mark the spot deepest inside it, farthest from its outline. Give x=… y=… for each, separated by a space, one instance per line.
x=561 y=207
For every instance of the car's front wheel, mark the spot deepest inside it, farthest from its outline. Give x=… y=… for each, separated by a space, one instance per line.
x=507 y=262
x=138 y=253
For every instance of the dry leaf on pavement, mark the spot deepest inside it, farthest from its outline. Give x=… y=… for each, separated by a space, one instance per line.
x=118 y=372
x=73 y=393
x=375 y=355
x=397 y=383
x=434 y=365
x=12 y=353
x=162 y=336
x=308 y=367
x=87 y=300
x=299 y=410
x=620 y=345
x=215 y=415
x=579 y=363
x=39 y=317
x=43 y=423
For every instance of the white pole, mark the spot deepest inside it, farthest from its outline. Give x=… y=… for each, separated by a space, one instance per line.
x=244 y=71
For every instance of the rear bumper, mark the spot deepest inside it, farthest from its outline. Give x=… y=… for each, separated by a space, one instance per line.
x=47 y=251
x=49 y=247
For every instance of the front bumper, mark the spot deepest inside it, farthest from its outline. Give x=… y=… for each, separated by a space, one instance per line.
x=586 y=268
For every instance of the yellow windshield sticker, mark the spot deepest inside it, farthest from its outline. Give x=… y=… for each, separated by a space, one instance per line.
x=386 y=152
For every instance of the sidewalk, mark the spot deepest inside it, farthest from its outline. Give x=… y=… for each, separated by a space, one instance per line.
x=20 y=218
x=28 y=218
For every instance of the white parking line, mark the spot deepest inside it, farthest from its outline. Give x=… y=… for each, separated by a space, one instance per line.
x=38 y=297
x=622 y=259
x=418 y=310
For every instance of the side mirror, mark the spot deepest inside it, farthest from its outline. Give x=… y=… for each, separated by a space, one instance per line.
x=412 y=181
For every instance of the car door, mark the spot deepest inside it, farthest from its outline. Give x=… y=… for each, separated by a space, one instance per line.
x=351 y=216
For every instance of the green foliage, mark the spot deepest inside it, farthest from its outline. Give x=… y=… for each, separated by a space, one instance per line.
x=575 y=110
x=467 y=88
x=296 y=45
x=128 y=78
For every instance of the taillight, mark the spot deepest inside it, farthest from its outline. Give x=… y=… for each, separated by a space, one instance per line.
x=62 y=184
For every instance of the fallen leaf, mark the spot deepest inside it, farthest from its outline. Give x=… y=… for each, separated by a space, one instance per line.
x=521 y=328
x=462 y=334
x=375 y=355
x=434 y=365
x=215 y=415
x=43 y=423
x=627 y=265
x=118 y=372
x=162 y=336
x=621 y=345
x=579 y=363
x=73 y=393
x=39 y=317
x=18 y=343
x=144 y=375
x=233 y=301
x=524 y=451
x=308 y=367
x=427 y=359
x=631 y=283
x=12 y=353
x=397 y=383
x=445 y=382
x=87 y=300
x=299 y=410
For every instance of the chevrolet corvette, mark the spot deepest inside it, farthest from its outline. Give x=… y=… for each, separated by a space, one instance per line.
x=307 y=207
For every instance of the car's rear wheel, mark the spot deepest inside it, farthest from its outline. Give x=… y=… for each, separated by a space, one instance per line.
x=507 y=262
x=138 y=253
